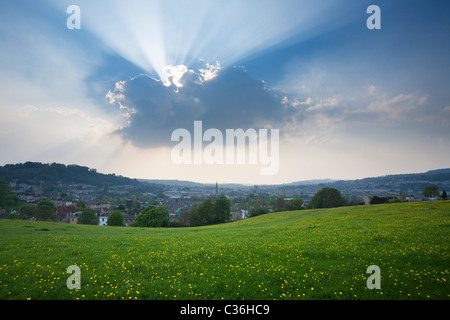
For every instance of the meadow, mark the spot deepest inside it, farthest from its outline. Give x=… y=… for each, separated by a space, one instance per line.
x=307 y=254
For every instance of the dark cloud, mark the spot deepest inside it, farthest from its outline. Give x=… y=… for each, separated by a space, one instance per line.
x=230 y=100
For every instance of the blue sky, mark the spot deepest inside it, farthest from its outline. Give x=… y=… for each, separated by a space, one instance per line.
x=349 y=102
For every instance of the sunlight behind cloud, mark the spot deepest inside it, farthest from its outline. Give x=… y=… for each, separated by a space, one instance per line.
x=155 y=34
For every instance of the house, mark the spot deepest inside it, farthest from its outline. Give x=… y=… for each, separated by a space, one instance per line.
x=128 y=220
x=63 y=217
x=101 y=208
x=28 y=198
x=102 y=220
x=236 y=215
x=73 y=219
x=239 y=214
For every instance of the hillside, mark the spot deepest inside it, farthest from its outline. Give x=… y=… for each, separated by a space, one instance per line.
x=35 y=172
x=68 y=182
x=32 y=172
x=395 y=184
x=308 y=254
x=441 y=176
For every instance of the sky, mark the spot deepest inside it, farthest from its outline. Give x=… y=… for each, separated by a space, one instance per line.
x=108 y=86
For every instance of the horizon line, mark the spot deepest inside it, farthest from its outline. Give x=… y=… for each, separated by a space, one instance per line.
x=225 y=183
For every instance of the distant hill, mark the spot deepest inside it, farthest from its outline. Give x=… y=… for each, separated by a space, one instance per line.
x=440 y=175
x=192 y=184
x=301 y=183
x=36 y=172
x=312 y=182
x=412 y=184
x=54 y=174
x=179 y=183
x=435 y=175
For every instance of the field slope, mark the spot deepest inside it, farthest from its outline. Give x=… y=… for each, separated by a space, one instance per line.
x=309 y=254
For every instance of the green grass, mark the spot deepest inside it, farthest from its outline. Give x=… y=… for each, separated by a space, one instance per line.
x=309 y=254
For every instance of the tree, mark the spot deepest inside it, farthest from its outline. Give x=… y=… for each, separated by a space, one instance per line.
x=183 y=217
x=81 y=205
x=209 y=212
x=195 y=217
x=202 y=214
x=12 y=216
x=430 y=191
x=115 y=219
x=8 y=199
x=47 y=202
x=88 y=216
x=378 y=200
x=152 y=217
x=66 y=210
x=46 y=211
x=222 y=208
x=327 y=198
x=258 y=206
x=295 y=204
x=444 y=195
x=280 y=205
x=28 y=210
x=132 y=206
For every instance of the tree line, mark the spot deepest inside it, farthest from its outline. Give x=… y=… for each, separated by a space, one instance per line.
x=430 y=191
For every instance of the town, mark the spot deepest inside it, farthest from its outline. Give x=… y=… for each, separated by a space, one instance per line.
x=107 y=193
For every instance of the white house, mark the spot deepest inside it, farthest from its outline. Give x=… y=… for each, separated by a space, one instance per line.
x=102 y=220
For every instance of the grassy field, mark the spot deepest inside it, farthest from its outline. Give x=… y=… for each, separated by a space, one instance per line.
x=309 y=254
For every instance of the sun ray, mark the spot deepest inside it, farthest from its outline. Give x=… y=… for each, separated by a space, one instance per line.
x=154 y=34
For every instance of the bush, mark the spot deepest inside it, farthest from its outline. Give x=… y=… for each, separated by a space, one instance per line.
x=295 y=204
x=258 y=211
x=46 y=211
x=152 y=217
x=280 y=205
x=327 y=198
x=209 y=212
x=115 y=219
x=88 y=216
x=396 y=200
x=8 y=199
x=12 y=215
x=378 y=200
x=430 y=191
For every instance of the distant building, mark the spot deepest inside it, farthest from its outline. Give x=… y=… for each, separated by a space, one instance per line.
x=367 y=200
x=236 y=215
x=102 y=220
x=73 y=218
x=101 y=208
x=239 y=215
x=128 y=220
